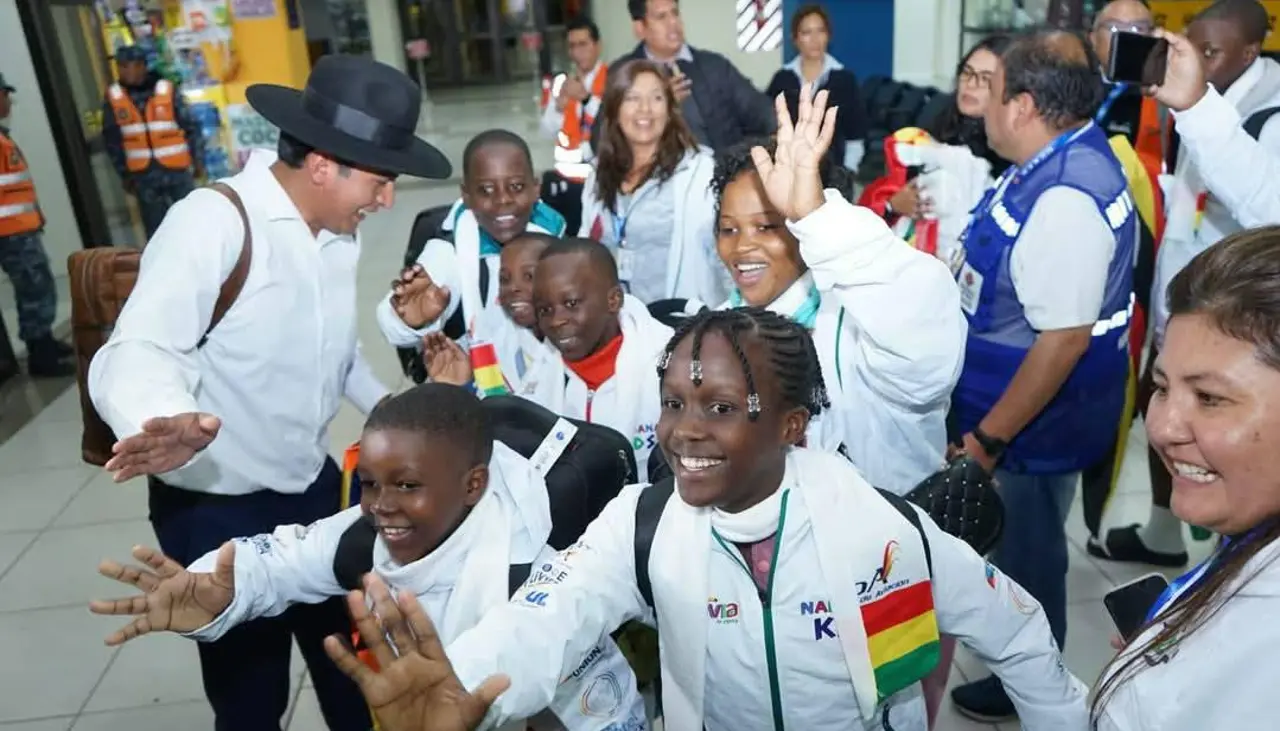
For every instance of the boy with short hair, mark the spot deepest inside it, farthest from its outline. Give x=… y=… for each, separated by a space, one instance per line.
x=499 y=202
x=609 y=343
x=450 y=515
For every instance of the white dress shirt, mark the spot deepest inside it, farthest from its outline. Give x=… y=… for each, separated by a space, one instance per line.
x=277 y=365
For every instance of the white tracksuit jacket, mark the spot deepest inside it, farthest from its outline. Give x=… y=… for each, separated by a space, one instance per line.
x=294 y=565
x=594 y=590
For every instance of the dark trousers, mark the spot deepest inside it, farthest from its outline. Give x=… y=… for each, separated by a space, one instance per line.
x=246 y=673
x=157 y=192
x=24 y=260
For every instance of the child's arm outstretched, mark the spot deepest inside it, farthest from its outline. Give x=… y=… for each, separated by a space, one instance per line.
x=902 y=303
x=244 y=579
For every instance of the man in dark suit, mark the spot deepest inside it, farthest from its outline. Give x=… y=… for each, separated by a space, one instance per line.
x=721 y=105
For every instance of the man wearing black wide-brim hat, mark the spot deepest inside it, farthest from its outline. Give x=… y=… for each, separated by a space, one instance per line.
x=231 y=427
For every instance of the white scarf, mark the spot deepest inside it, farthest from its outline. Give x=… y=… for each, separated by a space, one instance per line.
x=466 y=246
x=851 y=526
x=509 y=525
x=636 y=362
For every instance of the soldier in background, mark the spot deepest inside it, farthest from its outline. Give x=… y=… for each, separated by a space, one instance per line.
x=155 y=145
x=23 y=258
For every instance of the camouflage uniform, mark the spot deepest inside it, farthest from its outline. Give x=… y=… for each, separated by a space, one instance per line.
x=24 y=261
x=157 y=188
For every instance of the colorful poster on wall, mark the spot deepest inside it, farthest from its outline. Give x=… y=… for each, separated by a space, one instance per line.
x=1175 y=14
x=249 y=131
x=244 y=9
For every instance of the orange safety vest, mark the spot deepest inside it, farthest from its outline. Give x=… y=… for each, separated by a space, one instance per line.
x=156 y=136
x=19 y=212
x=577 y=124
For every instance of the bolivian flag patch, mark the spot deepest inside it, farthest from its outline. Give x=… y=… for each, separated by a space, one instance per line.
x=902 y=637
x=486 y=372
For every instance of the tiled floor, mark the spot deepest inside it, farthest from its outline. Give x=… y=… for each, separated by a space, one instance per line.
x=59 y=518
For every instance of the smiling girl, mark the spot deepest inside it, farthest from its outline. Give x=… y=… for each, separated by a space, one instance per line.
x=648 y=199
x=885 y=317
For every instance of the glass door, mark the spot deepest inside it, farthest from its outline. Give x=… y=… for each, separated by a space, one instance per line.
x=79 y=42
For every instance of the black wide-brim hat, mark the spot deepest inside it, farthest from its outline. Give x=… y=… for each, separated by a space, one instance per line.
x=358 y=111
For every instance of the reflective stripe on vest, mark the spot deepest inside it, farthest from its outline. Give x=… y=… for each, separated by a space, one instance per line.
x=19 y=211
x=155 y=136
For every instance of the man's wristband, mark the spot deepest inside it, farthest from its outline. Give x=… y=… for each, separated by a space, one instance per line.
x=993 y=446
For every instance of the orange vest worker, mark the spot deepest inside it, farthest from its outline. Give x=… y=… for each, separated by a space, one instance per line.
x=577 y=123
x=19 y=212
x=153 y=136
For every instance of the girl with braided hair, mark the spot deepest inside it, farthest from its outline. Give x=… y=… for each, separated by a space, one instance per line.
x=764 y=565
x=885 y=318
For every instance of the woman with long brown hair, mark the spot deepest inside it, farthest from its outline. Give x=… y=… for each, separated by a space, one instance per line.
x=650 y=198
x=1207 y=658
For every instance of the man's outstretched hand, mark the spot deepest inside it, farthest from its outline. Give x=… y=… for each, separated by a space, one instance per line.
x=415 y=688
x=164 y=444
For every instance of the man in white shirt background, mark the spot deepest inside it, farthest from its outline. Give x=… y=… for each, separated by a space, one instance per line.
x=1203 y=200
x=232 y=431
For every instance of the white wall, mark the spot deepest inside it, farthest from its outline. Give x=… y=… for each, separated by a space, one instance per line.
x=926 y=41
x=708 y=24
x=30 y=128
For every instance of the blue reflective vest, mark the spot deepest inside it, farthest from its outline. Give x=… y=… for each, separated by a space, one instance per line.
x=1079 y=425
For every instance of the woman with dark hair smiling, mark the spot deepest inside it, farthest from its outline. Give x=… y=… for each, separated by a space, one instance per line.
x=1201 y=660
x=650 y=199
x=811 y=34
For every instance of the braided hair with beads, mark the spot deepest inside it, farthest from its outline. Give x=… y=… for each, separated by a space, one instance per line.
x=791 y=353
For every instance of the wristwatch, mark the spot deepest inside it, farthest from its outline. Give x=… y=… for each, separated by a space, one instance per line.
x=991 y=445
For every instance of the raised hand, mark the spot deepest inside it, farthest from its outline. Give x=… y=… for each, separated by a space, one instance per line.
x=172 y=599
x=415 y=688
x=1184 y=77
x=445 y=360
x=416 y=299
x=164 y=444
x=791 y=177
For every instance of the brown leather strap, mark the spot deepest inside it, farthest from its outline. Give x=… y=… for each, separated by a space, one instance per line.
x=235 y=281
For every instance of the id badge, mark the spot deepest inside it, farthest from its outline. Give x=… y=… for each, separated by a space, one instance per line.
x=626 y=264
x=970 y=282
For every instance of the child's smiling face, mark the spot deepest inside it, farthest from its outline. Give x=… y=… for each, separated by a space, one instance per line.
x=753 y=242
x=518 y=264
x=416 y=489
x=500 y=188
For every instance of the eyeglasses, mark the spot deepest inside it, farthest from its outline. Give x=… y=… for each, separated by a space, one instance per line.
x=1112 y=26
x=970 y=75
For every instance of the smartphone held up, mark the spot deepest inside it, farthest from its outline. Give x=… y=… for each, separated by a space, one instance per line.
x=1136 y=58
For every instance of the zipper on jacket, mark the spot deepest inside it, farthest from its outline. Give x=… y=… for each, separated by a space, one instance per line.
x=766 y=603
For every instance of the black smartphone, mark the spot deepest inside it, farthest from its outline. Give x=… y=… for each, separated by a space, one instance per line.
x=1137 y=59
x=1129 y=603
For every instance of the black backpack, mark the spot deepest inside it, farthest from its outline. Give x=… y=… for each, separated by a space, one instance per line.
x=429 y=224
x=591 y=470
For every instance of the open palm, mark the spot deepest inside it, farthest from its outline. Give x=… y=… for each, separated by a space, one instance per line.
x=414 y=687
x=172 y=599
x=791 y=178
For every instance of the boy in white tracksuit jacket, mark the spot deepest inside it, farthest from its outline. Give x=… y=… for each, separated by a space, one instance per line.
x=608 y=341
x=884 y=316
x=459 y=278
x=788 y=593
x=417 y=479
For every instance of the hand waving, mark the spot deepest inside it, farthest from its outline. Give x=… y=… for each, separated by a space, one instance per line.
x=164 y=444
x=446 y=362
x=415 y=688
x=416 y=299
x=172 y=599
x=792 y=179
